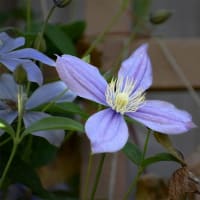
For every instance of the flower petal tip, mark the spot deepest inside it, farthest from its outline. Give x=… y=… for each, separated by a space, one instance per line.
x=99 y=148
x=191 y=125
x=163 y=117
x=143 y=48
x=82 y=78
x=107 y=131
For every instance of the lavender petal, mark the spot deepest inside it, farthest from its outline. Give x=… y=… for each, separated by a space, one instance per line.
x=7 y=115
x=29 y=53
x=10 y=63
x=8 y=44
x=8 y=88
x=163 y=117
x=82 y=78
x=138 y=68
x=107 y=131
x=50 y=92
x=33 y=72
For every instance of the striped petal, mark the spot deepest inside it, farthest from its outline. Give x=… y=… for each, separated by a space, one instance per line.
x=8 y=44
x=82 y=78
x=138 y=68
x=33 y=72
x=11 y=64
x=50 y=92
x=8 y=88
x=163 y=117
x=29 y=53
x=107 y=131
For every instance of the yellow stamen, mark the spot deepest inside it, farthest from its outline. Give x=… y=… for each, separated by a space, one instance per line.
x=121 y=101
x=121 y=97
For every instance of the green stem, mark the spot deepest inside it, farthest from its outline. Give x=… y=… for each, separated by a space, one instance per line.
x=41 y=35
x=44 y=25
x=47 y=19
x=28 y=15
x=27 y=148
x=5 y=141
x=85 y=192
x=98 y=174
x=146 y=144
x=114 y=19
x=14 y=149
x=17 y=139
x=140 y=168
x=20 y=112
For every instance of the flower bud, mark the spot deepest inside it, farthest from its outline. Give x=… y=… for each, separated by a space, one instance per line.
x=160 y=16
x=61 y=3
x=40 y=43
x=20 y=75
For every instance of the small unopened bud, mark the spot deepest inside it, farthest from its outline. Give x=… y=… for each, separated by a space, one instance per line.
x=40 y=43
x=160 y=16
x=20 y=75
x=62 y=3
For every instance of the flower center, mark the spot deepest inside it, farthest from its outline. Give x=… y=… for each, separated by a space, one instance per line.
x=121 y=97
x=121 y=101
x=11 y=104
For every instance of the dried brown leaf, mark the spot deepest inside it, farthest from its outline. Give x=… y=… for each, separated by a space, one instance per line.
x=181 y=184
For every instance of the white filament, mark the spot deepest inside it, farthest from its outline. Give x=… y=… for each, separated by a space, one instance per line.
x=121 y=97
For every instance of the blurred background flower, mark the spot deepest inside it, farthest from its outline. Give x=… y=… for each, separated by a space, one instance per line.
x=52 y=92
x=12 y=58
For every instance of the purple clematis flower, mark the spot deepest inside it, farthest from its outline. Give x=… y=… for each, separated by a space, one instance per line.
x=44 y=94
x=12 y=58
x=107 y=129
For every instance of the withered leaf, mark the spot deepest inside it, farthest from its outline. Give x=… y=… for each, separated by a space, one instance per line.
x=182 y=183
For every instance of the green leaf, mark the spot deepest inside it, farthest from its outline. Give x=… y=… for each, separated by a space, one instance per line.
x=6 y=127
x=158 y=158
x=166 y=142
x=66 y=107
x=60 y=39
x=37 y=151
x=55 y=123
x=133 y=153
x=74 y=30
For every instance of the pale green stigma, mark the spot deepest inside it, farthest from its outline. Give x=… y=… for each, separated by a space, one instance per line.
x=121 y=97
x=1 y=42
